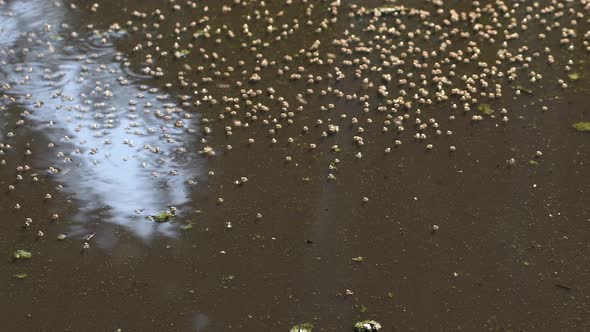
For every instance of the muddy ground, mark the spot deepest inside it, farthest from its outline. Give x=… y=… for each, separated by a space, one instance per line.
x=485 y=228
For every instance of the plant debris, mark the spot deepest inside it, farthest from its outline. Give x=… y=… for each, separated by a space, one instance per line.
x=558 y=285
x=388 y=10
x=367 y=326
x=582 y=126
x=228 y=278
x=187 y=226
x=305 y=327
x=485 y=109
x=21 y=254
x=525 y=90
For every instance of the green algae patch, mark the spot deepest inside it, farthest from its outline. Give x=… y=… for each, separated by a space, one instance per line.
x=582 y=126
x=485 y=109
x=367 y=326
x=21 y=254
x=305 y=327
x=574 y=77
x=164 y=216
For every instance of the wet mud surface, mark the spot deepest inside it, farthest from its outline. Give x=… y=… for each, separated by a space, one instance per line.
x=251 y=166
